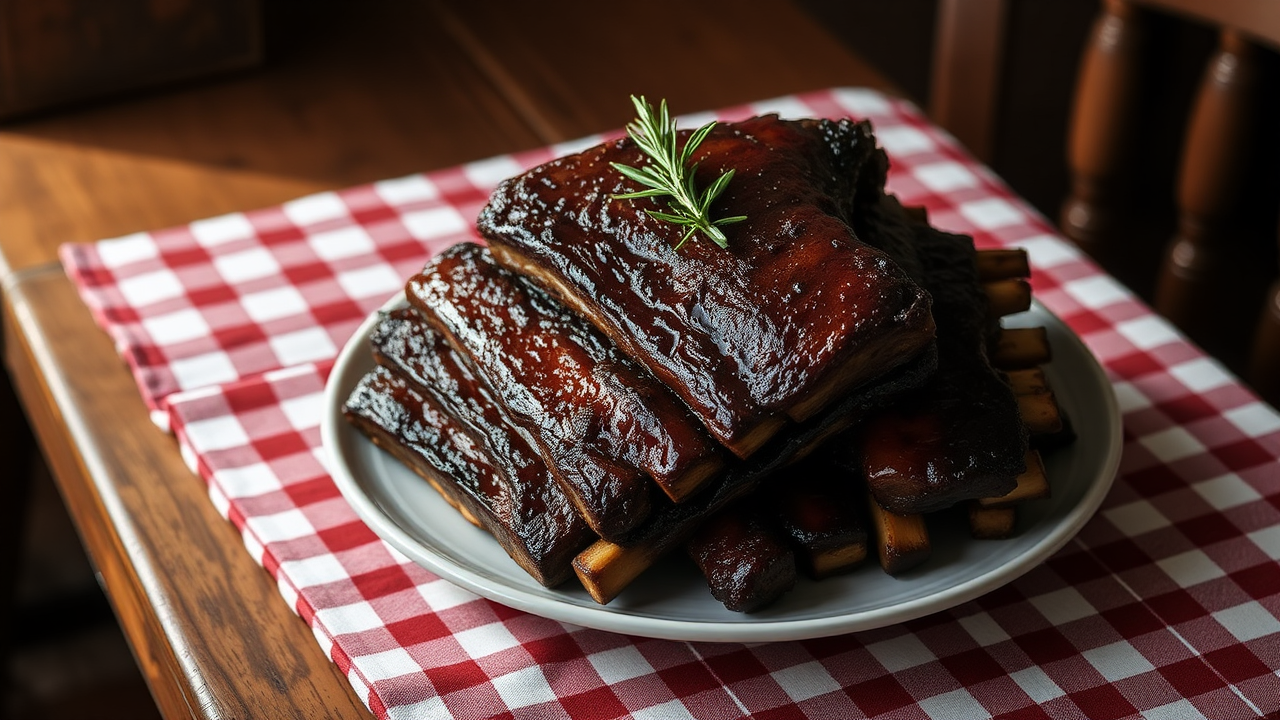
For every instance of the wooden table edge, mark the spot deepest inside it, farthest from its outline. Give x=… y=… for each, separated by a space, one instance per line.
x=184 y=679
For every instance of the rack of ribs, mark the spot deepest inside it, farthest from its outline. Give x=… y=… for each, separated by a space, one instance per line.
x=598 y=364
x=794 y=314
x=959 y=437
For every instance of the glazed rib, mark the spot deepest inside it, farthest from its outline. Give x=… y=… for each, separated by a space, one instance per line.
x=405 y=344
x=531 y=521
x=960 y=437
x=787 y=320
x=807 y=518
x=954 y=439
x=606 y=427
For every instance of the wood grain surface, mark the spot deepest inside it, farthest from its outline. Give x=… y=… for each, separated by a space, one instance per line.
x=350 y=93
x=569 y=71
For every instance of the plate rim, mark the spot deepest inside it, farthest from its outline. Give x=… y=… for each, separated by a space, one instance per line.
x=757 y=630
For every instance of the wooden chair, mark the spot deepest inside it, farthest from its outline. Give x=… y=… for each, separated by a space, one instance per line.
x=1210 y=278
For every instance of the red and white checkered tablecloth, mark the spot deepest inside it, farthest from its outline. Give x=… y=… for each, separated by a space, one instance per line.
x=1166 y=606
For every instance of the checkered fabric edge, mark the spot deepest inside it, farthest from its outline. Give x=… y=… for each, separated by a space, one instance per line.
x=1167 y=605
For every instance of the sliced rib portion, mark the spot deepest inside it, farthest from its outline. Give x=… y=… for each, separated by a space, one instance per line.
x=405 y=344
x=807 y=518
x=960 y=437
x=793 y=315
x=532 y=521
x=604 y=424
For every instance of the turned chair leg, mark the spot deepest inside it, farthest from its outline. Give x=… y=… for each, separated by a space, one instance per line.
x=1206 y=267
x=1104 y=127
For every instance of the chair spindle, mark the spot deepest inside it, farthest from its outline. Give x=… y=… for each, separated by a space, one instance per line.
x=1104 y=125
x=1200 y=285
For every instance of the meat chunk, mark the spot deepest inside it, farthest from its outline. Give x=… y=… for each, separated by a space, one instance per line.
x=746 y=564
x=405 y=344
x=793 y=315
x=606 y=426
x=820 y=515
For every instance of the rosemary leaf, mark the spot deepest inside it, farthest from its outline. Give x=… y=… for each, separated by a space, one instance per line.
x=671 y=173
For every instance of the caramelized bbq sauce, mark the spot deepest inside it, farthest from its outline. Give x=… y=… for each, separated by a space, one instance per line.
x=543 y=517
x=960 y=436
x=747 y=565
x=791 y=316
x=532 y=523
x=604 y=424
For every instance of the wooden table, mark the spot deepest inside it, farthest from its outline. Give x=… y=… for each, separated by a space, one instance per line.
x=351 y=93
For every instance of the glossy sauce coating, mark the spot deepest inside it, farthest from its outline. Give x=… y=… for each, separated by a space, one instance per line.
x=539 y=513
x=606 y=426
x=404 y=343
x=795 y=312
x=532 y=522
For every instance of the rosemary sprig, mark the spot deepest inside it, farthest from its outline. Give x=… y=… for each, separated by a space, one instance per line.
x=670 y=173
